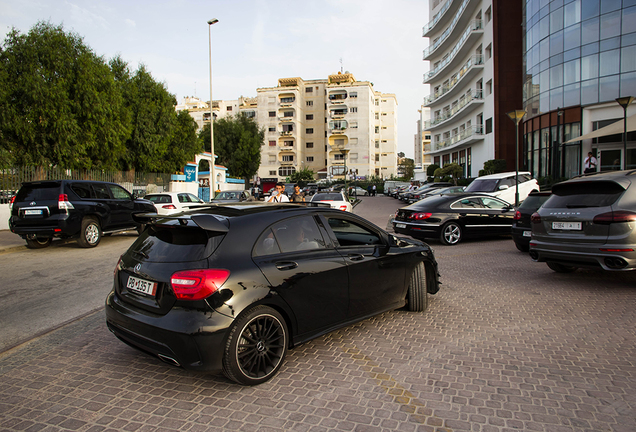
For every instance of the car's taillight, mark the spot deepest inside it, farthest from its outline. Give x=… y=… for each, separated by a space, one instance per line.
x=420 y=216
x=197 y=284
x=614 y=217
x=11 y=204
x=169 y=207
x=615 y=250
x=517 y=215
x=535 y=218
x=343 y=207
x=63 y=203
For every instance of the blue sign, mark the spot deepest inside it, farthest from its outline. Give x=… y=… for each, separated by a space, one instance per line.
x=190 y=172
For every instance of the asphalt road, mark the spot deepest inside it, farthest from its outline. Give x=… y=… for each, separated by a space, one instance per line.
x=43 y=289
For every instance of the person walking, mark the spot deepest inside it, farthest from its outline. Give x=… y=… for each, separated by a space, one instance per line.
x=374 y=190
x=370 y=190
x=590 y=164
x=297 y=196
x=278 y=195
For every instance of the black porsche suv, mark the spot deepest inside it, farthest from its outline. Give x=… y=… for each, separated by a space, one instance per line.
x=84 y=209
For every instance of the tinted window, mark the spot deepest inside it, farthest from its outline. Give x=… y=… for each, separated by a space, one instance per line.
x=290 y=235
x=83 y=190
x=176 y=245
x=119 y=192
x=159 y=199
x=534 y=201
x=584 y=194
x=328 y=197
x=486 y=185
x=351 y=234
x=40 y=192
x=491 y=203
x=468 y=203
x=101 y=192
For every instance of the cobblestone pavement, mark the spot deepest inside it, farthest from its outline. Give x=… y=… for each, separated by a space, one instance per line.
x=505 y=345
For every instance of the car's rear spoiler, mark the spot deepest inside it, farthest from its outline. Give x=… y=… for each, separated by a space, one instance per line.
x=203 y=221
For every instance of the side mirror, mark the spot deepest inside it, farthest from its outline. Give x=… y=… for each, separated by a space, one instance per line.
x=503 y=187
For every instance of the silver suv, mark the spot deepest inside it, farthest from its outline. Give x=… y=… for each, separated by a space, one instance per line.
x=589 y=221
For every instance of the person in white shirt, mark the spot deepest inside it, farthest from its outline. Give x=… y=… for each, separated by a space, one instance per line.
x=590 y=163
x=278 y=195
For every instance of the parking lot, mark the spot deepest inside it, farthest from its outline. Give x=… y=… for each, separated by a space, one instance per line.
x=507 y=344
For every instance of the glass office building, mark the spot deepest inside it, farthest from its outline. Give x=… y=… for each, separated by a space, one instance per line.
x=579 y=56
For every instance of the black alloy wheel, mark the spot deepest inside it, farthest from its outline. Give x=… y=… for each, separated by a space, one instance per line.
x=451 y=234
x=256 y=346
x=417 y=295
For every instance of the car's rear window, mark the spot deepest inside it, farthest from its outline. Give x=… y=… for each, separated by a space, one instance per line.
x=584 y=194
x=39 y=192
x=176 y=244
x=534 y=201
x=159 y=199
x=328 y=197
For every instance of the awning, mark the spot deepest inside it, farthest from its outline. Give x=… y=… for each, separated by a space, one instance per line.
x=613 y=129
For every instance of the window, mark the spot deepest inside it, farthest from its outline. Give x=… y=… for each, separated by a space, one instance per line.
x=353 y=109
x=272 y=129
x=288 y=158
x=228 y=108
x=310 y=158
x=377 y=116
x=309 y=130
x=288 y=128
x=285 y=171
x=377 y=158
x=119 y=192
x=288 y=114
x=488 y=87
x=353 y=94
x=377 y=129
x=489 y=125
x=309 y=89
x=353 y=125
x=272 y=160
x=272 y=143
x=338 y=156
x=350 y=233
x=487 y=15
x=272 y=173
x=288 y=143
x=309 y=145
x=249 y=114
x=309 y=117
x=272 y=113
x=310 y=103
x=488 y=51
x=287 y=99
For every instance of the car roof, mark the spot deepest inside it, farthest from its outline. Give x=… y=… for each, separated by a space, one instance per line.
x=502 y=175
x=623 y=178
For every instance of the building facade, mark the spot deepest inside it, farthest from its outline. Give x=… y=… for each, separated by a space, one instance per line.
x=579 y=57
x=475 y=77
x=332 y=126
x=422 y=146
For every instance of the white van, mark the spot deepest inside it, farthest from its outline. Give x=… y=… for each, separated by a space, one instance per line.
x=502 y=185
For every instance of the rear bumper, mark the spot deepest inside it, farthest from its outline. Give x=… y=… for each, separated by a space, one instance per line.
x=62 y=227
x=416 y=230
x=585 y=255
x=519 y=237
x=191 y=339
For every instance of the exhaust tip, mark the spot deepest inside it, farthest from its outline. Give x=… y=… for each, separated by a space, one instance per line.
x=534 y=255
x=615 y=263
x=168 y=360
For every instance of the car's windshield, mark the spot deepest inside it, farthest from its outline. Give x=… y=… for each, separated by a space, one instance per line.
x=227 y=195
x=328 y=197
x=482 y=185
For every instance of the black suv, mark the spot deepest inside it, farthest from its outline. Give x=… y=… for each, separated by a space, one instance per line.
x=73 y=208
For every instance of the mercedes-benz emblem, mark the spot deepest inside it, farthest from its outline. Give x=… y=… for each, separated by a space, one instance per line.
x=137 y=268
x=32 y=203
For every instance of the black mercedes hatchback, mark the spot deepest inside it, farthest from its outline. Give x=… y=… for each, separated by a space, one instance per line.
x=230 y=288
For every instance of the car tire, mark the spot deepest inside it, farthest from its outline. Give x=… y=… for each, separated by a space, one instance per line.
x=91 y=233
x=256 y=346
x=38 y=242
x=560 y=268
x=417 y=295
x=522 y=248
x=451 y=234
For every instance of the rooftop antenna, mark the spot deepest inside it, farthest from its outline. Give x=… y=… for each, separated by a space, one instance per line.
x=341 y=69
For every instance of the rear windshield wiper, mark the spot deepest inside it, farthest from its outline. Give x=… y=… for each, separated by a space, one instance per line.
x=142 y=253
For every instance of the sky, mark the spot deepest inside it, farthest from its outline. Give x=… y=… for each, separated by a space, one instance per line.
x=255 y=43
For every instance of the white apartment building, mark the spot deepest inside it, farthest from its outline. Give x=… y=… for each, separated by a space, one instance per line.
x=475 y=76
x=422 y=144
x=328 y=125
x=200 y=110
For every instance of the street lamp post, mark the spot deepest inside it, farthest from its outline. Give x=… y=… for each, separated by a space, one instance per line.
x=212 y=173
x=624 y=102
x=516 y=117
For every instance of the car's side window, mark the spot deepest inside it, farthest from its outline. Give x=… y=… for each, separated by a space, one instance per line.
x=193 y=198
x=290 y=235
x=467 y=203
x=83 y=190
x=183 y=198
x=119 y=192
x=101 y=192
x=490 y=203
x=350 y=233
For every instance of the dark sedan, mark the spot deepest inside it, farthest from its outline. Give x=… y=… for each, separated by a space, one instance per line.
x=450 y=218
x=232 y=287
x=521 y=227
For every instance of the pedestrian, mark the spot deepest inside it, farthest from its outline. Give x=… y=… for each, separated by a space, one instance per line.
x=370 y=190
x=278 y=194
x=298 y=195
x=590 y=163
x=255 y=192
x=374 y=190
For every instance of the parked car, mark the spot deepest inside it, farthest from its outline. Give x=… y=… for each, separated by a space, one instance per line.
x=436 y=190
x=231 y=196
x=521 y=227
x=395 y=193
x=408 y=195
x=453 y=217
x=83 y=209
x=357 y=190
x=503 y=185
x=589 y=221
x=232 y=287
x=336 y=200
x=173 y=202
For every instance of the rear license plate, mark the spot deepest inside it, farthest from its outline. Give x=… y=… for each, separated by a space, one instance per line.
x=527 y=233
x=566 y=225
x=400 y=225
x=141 y=286
x=32 y=212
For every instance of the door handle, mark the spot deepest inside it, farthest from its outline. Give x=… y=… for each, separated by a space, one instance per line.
x=286 y=265
x=355 y=257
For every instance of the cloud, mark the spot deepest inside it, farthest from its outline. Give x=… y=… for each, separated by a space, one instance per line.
x=130 y=23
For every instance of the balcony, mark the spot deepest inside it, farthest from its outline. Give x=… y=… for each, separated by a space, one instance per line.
x=287 y=133
x=459 y=21
x=468 y=136
x=472 y=67
x=439 y=18
x=473 y=32
x=472 y=99
x=338 y=114
x=338 y=97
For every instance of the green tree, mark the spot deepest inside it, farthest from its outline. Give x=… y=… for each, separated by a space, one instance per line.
x=302 y=176
x=406 y=167
x=58 y=102
x=430 y=170
x=237 y=143
x=452 y=170
x=493 y=166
